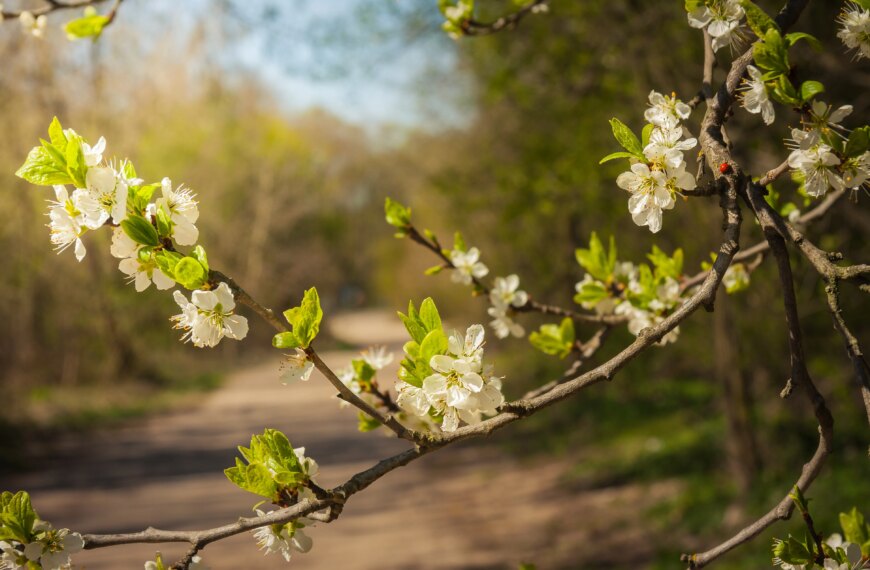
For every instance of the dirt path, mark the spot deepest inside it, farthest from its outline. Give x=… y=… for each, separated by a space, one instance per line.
x=468 y=507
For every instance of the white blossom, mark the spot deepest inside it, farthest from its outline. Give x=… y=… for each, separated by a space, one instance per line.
x=666 y=110
x=11 y=558
x=506 y=292
x=649 y=195
x=181 y=206
x=33 y=25
x=378 y=358
x=817 y=166
x=824 y=116
x=855 y=29
x=297 y=367
x=503 y=325
x=467 y=264
x=460 y=388
x=412 y=399
x=208 y=317
x=282 y=538
x=107 y=193
x=67 y=224
x=141 y=270
x=54 y=547
x=755 y=97
x=856 y=170
x=722 y=20
x=94 y=154
x=666 y=146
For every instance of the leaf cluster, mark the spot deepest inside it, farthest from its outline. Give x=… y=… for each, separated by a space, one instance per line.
x=427 y=340
x=270 y=468
x=304 y=321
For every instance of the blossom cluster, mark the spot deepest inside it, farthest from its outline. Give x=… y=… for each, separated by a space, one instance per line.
x=460 y=387
x=721 y=19
x=658 y=172
x=505 y=295
x=29 y=542
x=644 y=296
x=827 y=156
x=52 y=550
x=146 y=228
x=855 y=28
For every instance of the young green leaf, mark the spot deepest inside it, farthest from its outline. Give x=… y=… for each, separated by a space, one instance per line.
x=810 y=89
x=794 y=37
x=858 y=143
x=627 y=139
x=305 y=319
x=88 y=26
x=140 y=230
x=44 y=168
x=56 y=136
x=616 y=155
x=555 y=340
x=190 y=273
x=429 y=317
x=397 y=214
x=757 y=18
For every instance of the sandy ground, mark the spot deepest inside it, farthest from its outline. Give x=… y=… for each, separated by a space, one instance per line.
x=465 y=507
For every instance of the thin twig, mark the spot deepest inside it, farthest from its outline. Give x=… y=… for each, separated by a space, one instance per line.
x=509 y=22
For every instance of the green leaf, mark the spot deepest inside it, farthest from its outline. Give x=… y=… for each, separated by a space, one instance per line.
x=75 y=160
x=429 y=317
x=692 y=5
x=858 y=143
x=555 y=340
x=305 y=319
x=615 y=155
x=198 y=254
x=190 y=273
x=88 y=26
x=810 y=89
x=646 y=133
x=286 y=341
x=43 y=168
x=792 y=551
x=855 y=528
x=667 y=266
x=55 y=134
x=434 y=343
x=140 y=230
x=595 y=260
x=757 y=18
x=17 y=516
x=794 y=37
x=591 y=292
x=164 y=224
x=397 y=214
x=167 y=260
x=785 y=93
x=627 y=139
x=434 y=270
x=770 y=54
x=412 y=323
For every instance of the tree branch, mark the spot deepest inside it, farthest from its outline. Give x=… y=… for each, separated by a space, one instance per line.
x=509 y=22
